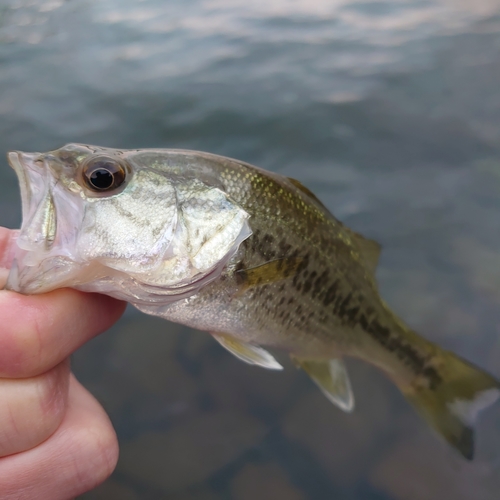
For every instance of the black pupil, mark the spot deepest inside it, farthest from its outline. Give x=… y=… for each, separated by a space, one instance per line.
x=103 y=175
x=101 y=178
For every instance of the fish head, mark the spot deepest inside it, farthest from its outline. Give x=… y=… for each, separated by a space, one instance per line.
x=136 y=224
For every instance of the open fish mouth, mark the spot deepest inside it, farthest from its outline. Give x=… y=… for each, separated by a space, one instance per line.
x=38 y=228
x=39 y=222
x=16 y=162
x=39 y=225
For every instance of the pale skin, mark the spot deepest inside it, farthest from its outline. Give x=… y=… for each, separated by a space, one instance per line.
x=56 y=441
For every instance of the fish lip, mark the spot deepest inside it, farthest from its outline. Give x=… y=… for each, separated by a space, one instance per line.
x=33 y=184
x=20 y=168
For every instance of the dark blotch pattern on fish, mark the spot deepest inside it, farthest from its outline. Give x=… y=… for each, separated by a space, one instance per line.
x=348 y=308
x=382 y=334
x=319 y=286
x=408 y=354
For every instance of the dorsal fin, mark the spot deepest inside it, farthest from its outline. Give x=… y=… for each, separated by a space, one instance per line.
x=368 y=249
x=308 y=192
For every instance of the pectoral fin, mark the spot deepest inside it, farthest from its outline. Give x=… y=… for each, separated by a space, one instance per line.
x=270 y=272
x=248 y=353
x=331 y=377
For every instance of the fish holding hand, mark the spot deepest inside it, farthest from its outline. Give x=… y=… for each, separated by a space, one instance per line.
x=250 y=256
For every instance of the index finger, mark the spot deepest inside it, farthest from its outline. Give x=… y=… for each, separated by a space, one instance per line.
x=37 y=332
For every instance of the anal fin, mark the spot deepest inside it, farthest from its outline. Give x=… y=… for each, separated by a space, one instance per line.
x=249 y=353
x=331 y=377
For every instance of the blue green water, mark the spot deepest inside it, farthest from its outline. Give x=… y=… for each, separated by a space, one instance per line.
x=390 y=112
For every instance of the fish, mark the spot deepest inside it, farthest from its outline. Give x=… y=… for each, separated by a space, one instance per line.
x=250 y=256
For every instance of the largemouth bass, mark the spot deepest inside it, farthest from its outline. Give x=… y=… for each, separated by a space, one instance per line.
x=250 y=256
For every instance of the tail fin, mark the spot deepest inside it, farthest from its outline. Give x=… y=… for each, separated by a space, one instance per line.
x=452 y=399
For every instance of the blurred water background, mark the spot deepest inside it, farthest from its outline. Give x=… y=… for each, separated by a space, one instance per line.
x=390 y=112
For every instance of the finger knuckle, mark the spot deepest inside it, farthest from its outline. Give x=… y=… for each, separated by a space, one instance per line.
x=21 y=346
x=32 y=410
x=98 y=455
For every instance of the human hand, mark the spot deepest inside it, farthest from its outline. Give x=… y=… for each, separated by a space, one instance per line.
x=56 y=441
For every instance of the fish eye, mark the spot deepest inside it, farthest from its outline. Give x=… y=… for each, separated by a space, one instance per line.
x=103 y=174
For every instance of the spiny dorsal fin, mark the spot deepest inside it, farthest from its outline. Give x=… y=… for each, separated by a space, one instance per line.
x=308 y=192
x=251 y=354
x=331 y=377
x=369 y=250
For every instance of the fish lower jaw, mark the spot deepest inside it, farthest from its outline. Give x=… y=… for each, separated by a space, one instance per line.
x=32 y=273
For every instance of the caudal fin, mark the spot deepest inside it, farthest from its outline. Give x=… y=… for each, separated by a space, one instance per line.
x=451 y=400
